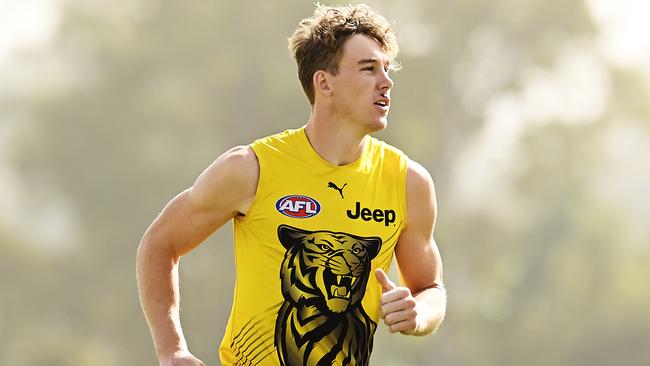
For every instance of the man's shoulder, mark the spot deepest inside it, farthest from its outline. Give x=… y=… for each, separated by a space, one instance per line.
x=231 y=178
x=238 y=157
x=418 y=179
x=238 y=165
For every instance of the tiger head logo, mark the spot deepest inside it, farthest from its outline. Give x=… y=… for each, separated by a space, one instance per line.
x=327 y=269
x=324 y=276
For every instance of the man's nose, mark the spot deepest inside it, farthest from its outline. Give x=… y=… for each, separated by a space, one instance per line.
x=386 y=83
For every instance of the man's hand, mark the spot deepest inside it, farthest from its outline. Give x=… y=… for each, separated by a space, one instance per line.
x=182 y=359
x=398 y=306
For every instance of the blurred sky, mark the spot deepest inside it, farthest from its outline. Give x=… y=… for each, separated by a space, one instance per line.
x=25 y=24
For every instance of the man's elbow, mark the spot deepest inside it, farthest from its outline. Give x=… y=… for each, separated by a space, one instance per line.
x=153 y=247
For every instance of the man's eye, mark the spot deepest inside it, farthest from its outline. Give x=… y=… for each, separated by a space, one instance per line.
x=369 y=68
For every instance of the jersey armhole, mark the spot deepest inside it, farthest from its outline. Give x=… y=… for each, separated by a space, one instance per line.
x=402 y=190
x=261 y=184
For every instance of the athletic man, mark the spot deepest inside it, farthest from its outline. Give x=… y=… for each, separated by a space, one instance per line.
x=319 y=212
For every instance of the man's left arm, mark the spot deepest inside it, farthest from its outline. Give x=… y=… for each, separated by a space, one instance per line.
x=419 y=306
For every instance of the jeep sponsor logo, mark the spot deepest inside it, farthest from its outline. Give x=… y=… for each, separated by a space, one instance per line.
x=297 y=206
x=387 y=216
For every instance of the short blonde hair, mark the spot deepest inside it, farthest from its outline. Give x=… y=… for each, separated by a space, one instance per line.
x=317 y=43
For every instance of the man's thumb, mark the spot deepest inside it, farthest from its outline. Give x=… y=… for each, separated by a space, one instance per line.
x=384 y=281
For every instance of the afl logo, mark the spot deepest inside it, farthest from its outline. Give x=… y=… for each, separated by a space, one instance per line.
x=296 y=206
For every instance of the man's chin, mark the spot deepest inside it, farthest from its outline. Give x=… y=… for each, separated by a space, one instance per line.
x=377 y=126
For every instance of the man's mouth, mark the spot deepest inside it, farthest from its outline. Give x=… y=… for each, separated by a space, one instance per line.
x=383 y=102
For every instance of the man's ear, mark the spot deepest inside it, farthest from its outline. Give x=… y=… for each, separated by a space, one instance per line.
x=321 y=82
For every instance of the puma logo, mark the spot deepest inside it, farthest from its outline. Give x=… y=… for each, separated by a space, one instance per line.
x=333 y=186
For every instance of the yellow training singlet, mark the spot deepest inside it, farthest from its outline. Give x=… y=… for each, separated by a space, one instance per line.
x=306 y=251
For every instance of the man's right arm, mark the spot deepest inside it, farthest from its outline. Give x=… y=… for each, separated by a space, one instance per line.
x=226 y=188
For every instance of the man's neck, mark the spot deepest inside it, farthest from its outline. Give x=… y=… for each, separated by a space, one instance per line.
x=335 y=141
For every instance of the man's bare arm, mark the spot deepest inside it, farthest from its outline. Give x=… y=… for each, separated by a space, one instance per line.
x=226 y=188
x=419 y=307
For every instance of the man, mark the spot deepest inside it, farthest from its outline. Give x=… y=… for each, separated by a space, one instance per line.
x=319 y=212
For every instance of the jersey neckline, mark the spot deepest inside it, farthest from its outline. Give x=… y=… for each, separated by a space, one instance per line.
x=354 y=164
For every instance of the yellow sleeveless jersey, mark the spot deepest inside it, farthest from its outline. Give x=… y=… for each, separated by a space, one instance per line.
x=306 y=251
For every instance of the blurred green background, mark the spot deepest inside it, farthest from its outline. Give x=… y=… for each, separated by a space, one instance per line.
x=532 y=116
